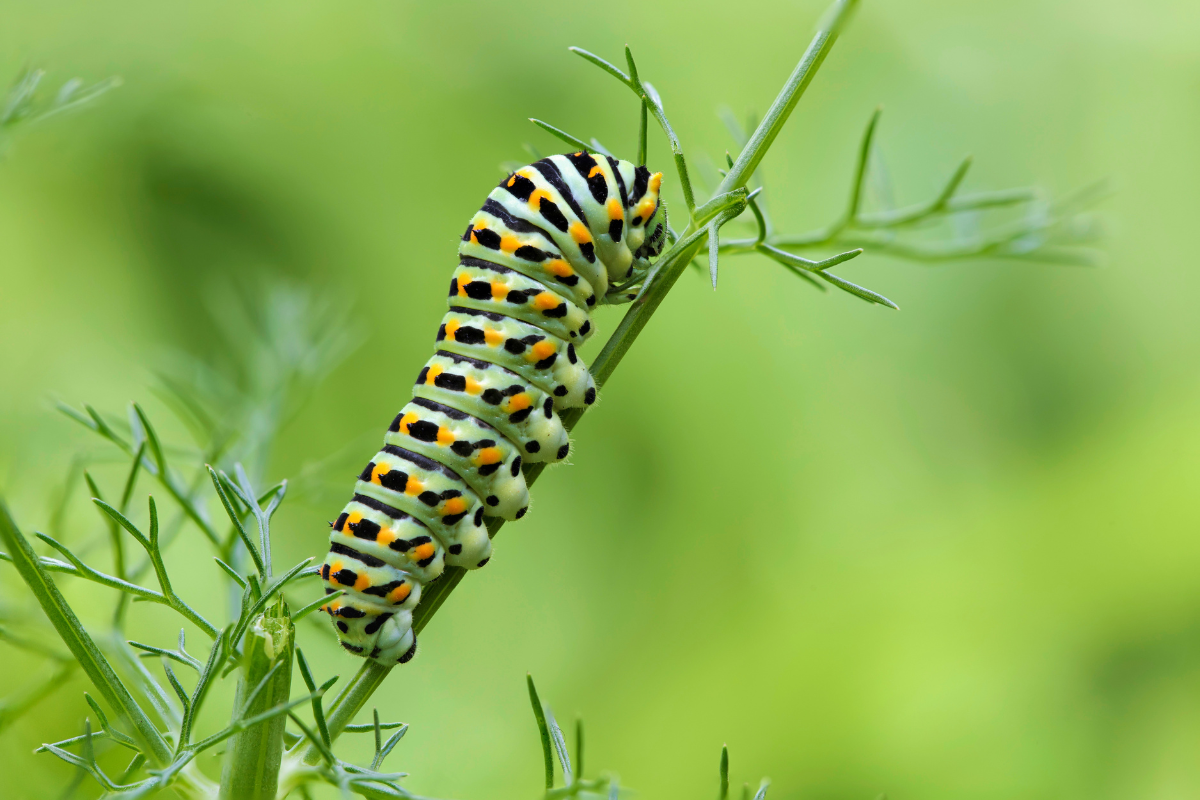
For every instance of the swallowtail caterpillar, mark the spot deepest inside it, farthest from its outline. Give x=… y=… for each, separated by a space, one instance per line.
x=552 y=241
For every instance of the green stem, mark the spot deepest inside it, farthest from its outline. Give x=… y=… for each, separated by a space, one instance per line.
x=252 y=763
x=760 y=141
x=354 y=696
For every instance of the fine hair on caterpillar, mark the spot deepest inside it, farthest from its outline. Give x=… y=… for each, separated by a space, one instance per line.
x=553 y=240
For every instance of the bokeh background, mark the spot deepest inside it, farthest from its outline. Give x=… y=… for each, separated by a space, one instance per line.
x=950 y=552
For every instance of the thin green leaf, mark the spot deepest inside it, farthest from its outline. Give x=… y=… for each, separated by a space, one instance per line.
x=714 y=246
x=123 y=521
x=388 y=746
x=178 y=687
x=324 y=751
x=543 y=731
x=131 y=479
x=952 y=185
x=315 y=604
x=131 y=770
x=602 y=64
x=224 y=489
x=156 y=449
x=250 y=498
x=262 y=684
x=575 y=142
x=82 y=570
x=48 y=564
x=217 y=655
x=860 y=168
x=724 y=793
x=378 y=733
x=231 y=572
x=560 y=747
x=181 y=657
x=161 y=471
x=858 y=291
x=368 y=727
x=759 y=218
x=318 y=711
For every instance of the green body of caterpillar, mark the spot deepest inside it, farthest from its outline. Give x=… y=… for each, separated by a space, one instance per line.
x=548 y=245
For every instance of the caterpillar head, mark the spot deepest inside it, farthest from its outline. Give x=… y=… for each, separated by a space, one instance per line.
x=656 y=235
x=647 y=231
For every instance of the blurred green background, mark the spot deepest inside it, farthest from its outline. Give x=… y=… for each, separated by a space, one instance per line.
x=950 y=552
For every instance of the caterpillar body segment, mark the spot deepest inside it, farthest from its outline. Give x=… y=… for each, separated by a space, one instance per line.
x=420 y=486
x=512 y=405
x=500 y=290
x=545 y=361
x=372 y=528
x=552 y=241
x=488 y=462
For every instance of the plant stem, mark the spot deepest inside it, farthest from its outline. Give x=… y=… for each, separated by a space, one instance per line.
x=252 y=763
x=760 y=141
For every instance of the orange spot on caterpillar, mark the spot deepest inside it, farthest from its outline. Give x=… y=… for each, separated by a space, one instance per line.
x=474 y=386
x=535 y=198
x=542 y=350
x=559 y=268
x=488 y=455
x=363 y=582
x=353 y=519
x=444 y=437
x=423 y=551
x=492 y=337
x=545 y=301
x=434 y=371
x=614 y=209
x=645 y=209
x=381 y=469
x=455 y=505
x=518 y=402
x=509 y=244
x=385 y=536
x=499 y=290
x=400 y=594
x=594 y=170
x=655 y=182
x=414 y=487
x=407 y=420
x=451 y=327
x=580 y=233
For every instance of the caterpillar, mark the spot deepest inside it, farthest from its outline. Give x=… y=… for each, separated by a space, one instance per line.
x=552 y=241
